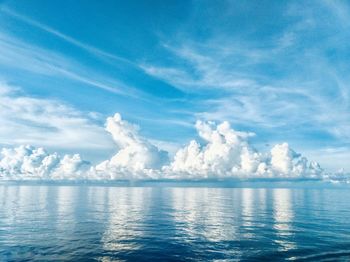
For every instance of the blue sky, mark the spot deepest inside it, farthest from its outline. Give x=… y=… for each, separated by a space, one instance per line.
x=275 y=68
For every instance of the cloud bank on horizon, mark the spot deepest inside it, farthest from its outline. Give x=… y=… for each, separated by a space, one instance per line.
x=222 y=153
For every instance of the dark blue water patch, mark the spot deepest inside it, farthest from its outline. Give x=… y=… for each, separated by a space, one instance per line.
x=116 y=223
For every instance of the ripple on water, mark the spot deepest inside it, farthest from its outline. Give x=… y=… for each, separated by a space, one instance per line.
x=173 y=223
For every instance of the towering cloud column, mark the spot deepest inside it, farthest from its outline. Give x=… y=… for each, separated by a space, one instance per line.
x=223 y=151
x=136 y=158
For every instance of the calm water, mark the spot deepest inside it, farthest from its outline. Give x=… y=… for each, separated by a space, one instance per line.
x=84 y=223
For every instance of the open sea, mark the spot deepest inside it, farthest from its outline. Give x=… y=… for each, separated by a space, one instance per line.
x=162 y=222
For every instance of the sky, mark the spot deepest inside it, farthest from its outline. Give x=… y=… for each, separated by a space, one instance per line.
x=278 y=69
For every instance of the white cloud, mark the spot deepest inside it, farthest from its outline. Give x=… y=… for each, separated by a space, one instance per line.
x=286 y=81
x=218 y=157
x=341 y=176
x=227 y=153
x=91 y=49
x=222 y=153
x=136 y=155
x=207 y=69
x=50 y=63
x=27 y=162
x=48 y=123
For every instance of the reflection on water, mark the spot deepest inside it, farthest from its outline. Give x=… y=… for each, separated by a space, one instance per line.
x=247 y=205
x=172 y=223
x=194 y=217
x=127 y=211
x=283 y=218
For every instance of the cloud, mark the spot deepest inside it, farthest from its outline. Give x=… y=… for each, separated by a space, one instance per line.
x=227 y=153
x=27 y=162
x=205 y=68
x=91 y=49
x=136 y=155
x=48 y=123
x=50 y=63
x=288 y=83
x=218 y=157
x=341 y=176
x=221 y=153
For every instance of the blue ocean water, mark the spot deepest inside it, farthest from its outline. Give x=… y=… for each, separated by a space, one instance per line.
x=172 y=223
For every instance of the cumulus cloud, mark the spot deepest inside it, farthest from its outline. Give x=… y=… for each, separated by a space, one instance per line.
x=218 y=157
x=136 y=156
x=28 y=162
x=221 y=153
x=341 y=176
x=227 y=153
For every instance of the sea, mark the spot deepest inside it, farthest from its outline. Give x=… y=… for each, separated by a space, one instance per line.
x=174 y=222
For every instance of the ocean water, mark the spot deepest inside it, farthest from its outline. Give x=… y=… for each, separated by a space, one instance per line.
x=173 y=223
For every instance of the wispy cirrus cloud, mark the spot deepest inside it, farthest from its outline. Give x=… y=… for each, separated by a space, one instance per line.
x=49 y=123
x=291 y=82
x=41 y=61
x=281 y=81
x=90 y=49
x=38 y=59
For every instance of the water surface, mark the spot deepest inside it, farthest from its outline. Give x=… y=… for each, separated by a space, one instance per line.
x=160 y=223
